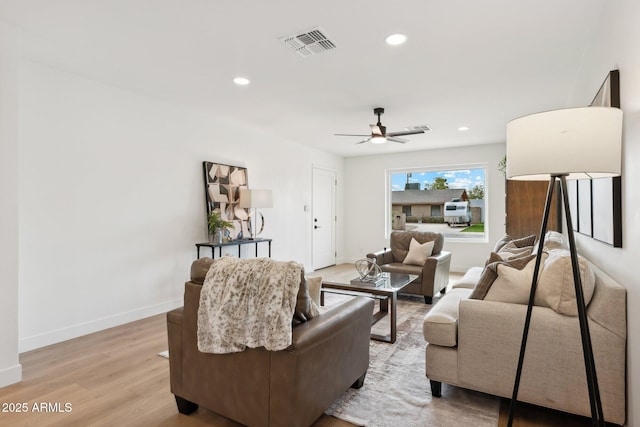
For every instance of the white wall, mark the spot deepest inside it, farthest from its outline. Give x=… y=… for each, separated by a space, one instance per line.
x=617 y=47
x=112 y=200
x=364 y=199
x=10 y=369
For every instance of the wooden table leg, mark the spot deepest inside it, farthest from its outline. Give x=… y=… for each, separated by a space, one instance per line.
x=384 y=305
x=391 y=338
x=394 y=306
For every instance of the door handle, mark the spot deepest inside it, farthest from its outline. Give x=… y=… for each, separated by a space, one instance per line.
x=316 y=226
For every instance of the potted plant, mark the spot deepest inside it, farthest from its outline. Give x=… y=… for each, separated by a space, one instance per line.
x=217 y=225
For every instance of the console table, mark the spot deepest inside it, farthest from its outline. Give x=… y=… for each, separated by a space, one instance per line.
x=237 y=243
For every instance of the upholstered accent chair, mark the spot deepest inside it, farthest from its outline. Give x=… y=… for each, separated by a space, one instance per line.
x=256 y=387
x=433 y=273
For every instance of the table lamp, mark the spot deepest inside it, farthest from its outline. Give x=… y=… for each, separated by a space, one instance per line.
x=570 y=143
x=254 y=199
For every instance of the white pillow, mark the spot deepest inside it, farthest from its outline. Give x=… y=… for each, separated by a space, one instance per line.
x=552 y=240
x=555 y=240
x=418 y=253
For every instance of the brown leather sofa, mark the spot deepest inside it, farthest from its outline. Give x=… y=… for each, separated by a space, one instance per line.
x=256 y=387
x=433 y=276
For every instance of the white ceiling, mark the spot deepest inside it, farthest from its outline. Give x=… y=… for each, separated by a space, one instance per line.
x=473 y=63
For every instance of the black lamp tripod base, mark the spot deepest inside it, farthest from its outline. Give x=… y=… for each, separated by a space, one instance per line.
x=597 y=417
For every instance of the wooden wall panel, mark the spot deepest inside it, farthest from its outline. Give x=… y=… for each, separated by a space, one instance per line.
x=525 y=207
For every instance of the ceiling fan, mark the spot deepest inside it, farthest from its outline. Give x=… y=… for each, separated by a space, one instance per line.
x=379 y=134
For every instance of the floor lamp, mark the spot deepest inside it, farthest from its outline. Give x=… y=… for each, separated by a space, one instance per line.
x=564 y=144
x=254 y=199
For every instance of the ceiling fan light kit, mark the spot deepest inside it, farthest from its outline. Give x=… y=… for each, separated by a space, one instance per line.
x=379 y=134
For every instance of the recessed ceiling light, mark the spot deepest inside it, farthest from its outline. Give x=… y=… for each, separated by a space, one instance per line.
x=395 y=39
x=241 y=81
x=463 y=128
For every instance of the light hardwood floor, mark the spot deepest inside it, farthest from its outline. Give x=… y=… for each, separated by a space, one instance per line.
x=115 y=378
x=110 y=378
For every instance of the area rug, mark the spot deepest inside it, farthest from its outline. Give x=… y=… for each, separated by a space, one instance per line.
x=396 y=391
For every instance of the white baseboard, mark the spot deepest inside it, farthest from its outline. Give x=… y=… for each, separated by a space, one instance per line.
x=74 y=331
x=10 y=375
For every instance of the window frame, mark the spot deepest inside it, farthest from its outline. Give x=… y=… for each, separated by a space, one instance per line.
x=440 y=168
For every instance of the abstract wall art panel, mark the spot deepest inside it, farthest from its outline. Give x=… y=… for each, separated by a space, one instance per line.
x=222 y=184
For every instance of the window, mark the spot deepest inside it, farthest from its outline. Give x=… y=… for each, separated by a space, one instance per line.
x=450 y=201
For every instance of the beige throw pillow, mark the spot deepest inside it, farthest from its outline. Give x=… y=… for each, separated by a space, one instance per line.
x=315 y=283
x=491 y=272
x=418 y=253
x=556 y=288
x=513 y=285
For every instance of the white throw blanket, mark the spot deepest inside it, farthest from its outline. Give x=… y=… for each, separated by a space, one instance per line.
x=247 y=303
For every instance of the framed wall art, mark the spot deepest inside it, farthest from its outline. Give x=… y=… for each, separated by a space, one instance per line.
x=601 y=197
x=572 y=193
x=585 y=215
x=222 y=184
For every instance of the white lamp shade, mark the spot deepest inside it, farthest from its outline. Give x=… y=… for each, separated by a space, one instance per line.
x=250 y=198
x=579 y=142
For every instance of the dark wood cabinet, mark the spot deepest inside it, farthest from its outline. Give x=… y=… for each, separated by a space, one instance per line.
x=525 y=202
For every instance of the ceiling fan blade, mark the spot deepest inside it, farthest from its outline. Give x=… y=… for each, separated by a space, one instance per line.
x=406 y=132
x=394 y=139
x=348 y=134
x=363 y=141
x=378 y=130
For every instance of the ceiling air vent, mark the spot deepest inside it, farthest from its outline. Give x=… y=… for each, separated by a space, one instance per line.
x=308 y=43
x=425 y=128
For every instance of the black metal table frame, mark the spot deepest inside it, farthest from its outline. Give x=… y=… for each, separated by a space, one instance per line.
x=239 y=243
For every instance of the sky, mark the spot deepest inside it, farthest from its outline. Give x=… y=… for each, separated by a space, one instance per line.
x=467 y=178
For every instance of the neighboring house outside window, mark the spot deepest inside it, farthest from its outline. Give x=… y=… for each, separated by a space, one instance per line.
x=423 y=196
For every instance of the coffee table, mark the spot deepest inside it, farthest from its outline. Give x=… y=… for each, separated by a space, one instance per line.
x=386 y=293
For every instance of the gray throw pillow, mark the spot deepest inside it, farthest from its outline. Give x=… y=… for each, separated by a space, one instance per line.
x=525 y=241
x=506 y=239
x=519 y=243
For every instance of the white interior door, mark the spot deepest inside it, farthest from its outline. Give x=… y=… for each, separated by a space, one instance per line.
x=324 y=218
